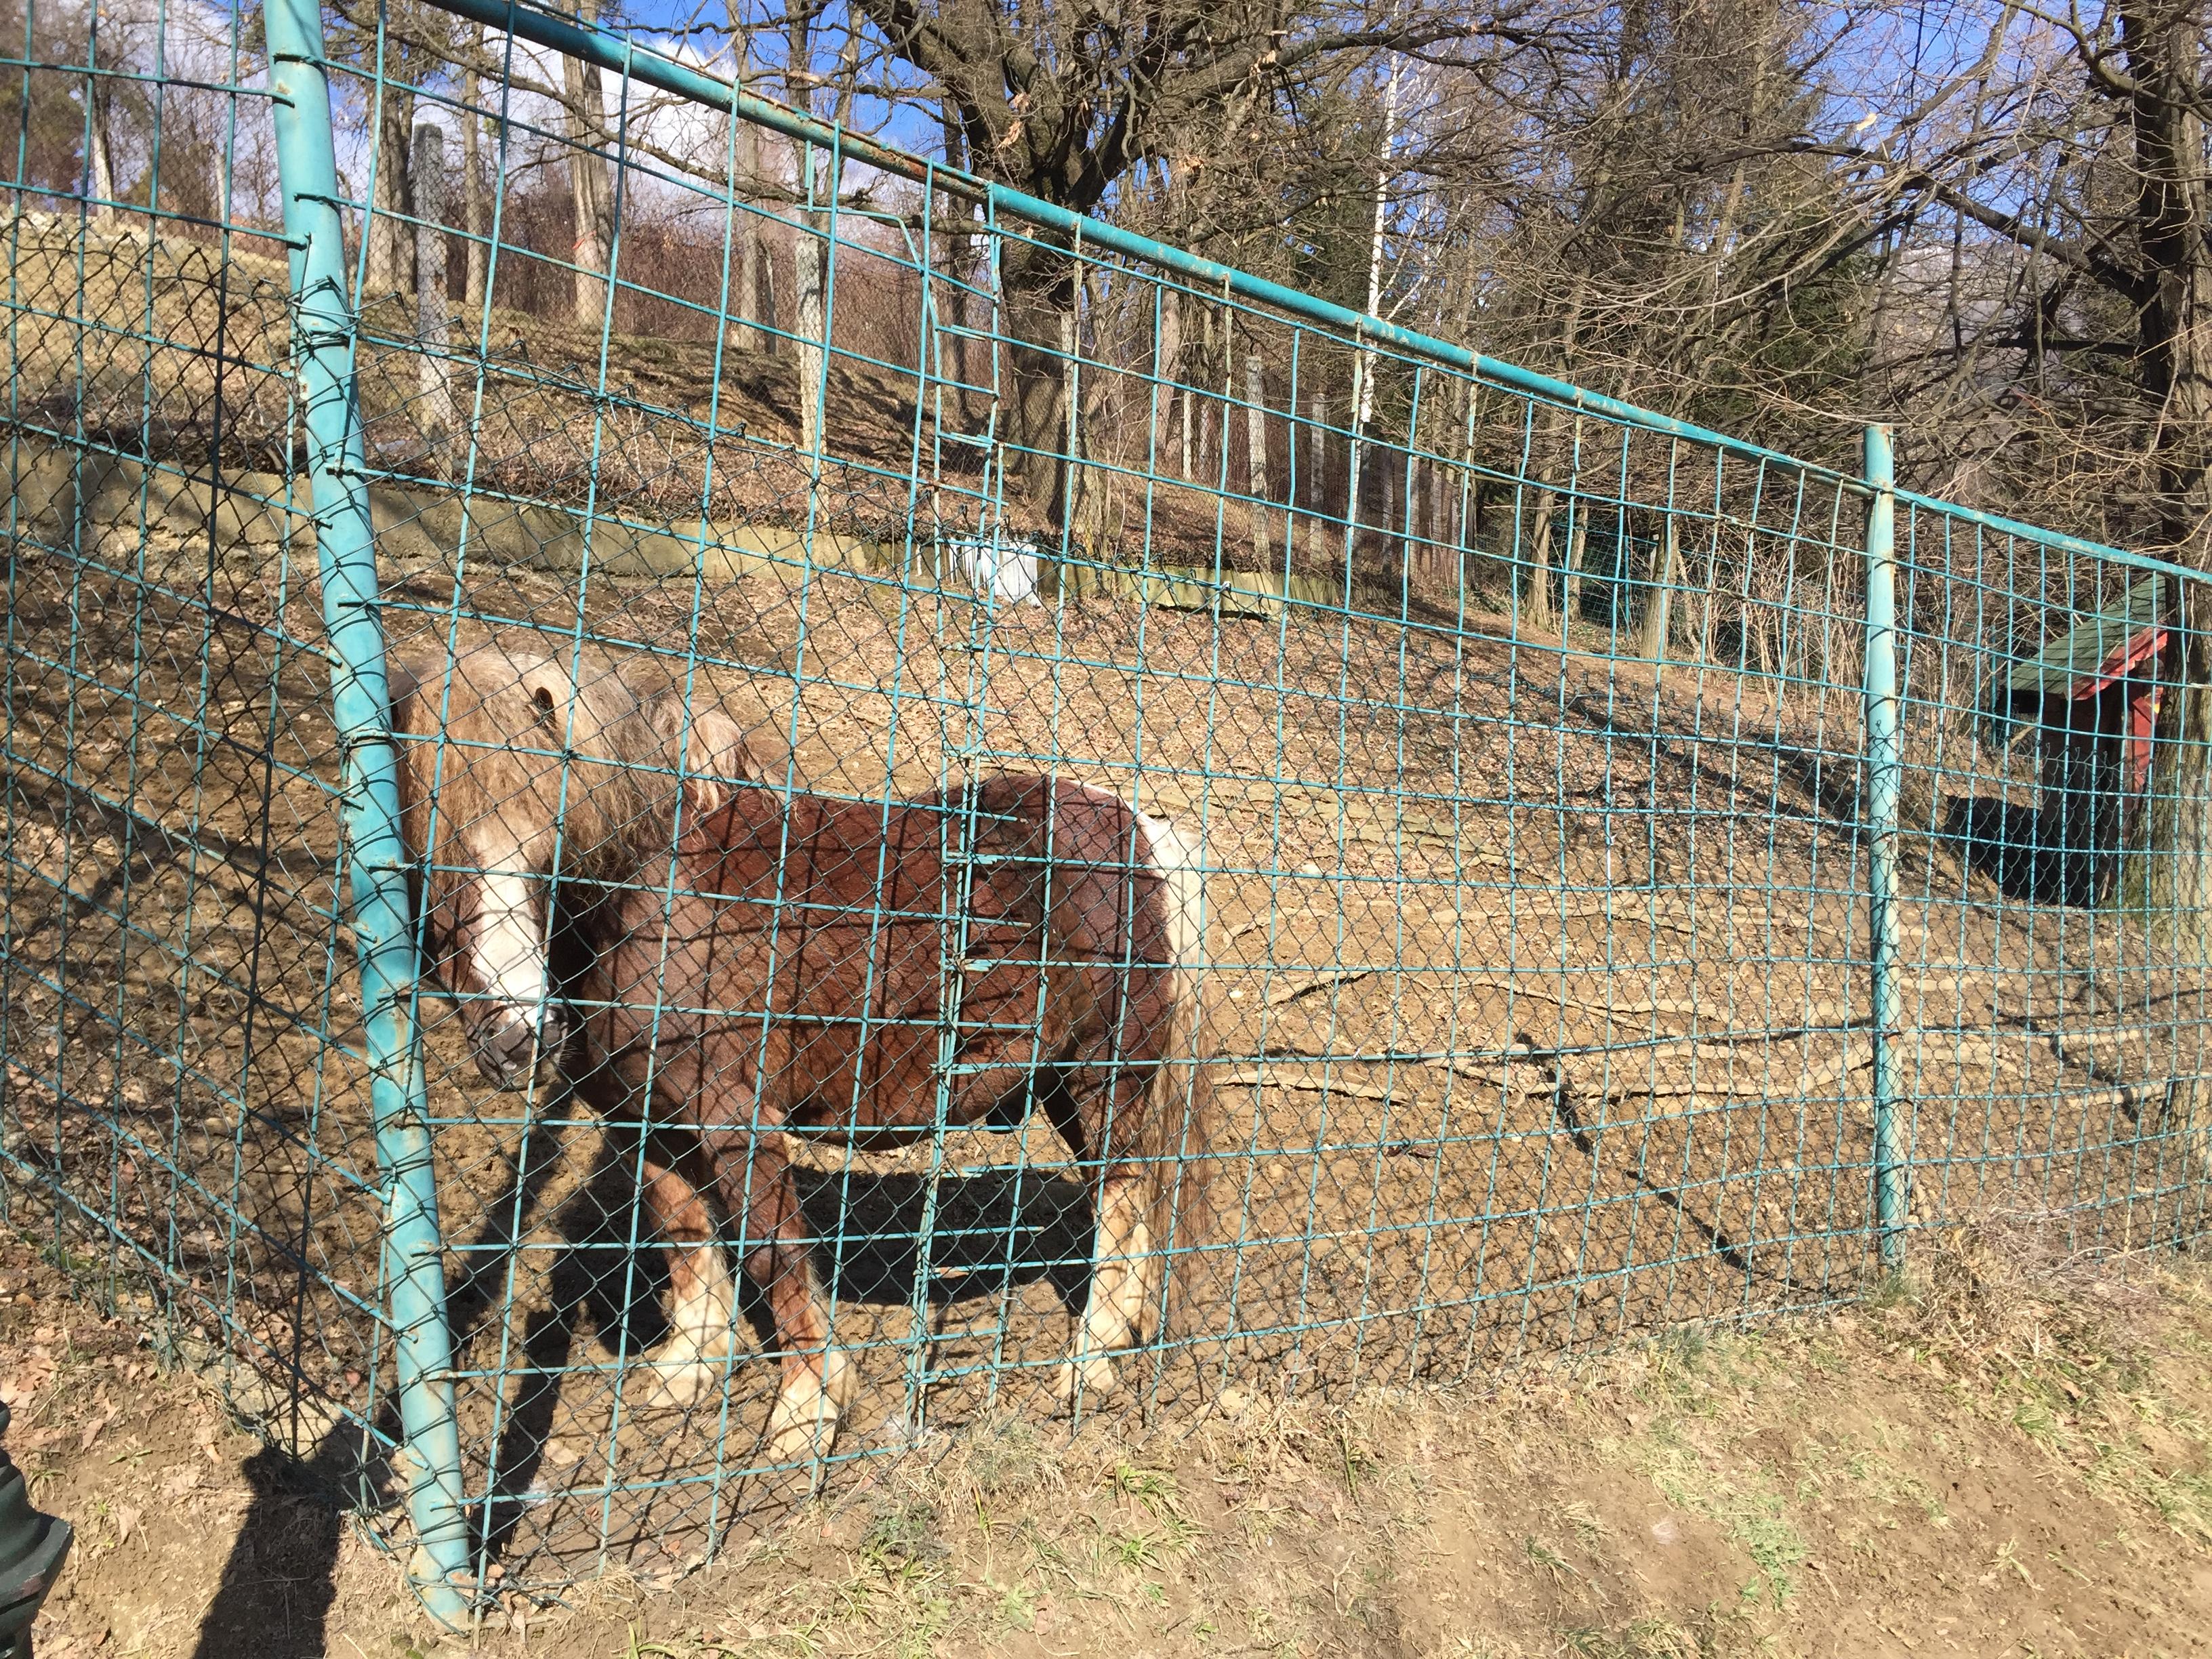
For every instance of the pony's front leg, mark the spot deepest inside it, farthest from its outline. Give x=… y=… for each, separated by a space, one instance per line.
x=702 y=1295
x=1123 y=1274
x=756 y=1181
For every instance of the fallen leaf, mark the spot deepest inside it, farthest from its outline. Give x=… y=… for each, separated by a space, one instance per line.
x=126 y=1522
x=32 y=1374
x=92 y=1429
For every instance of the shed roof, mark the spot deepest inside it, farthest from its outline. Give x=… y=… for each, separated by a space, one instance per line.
x=2072 y=655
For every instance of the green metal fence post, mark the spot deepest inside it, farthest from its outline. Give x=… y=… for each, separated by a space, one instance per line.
x=413 y=1267
x=1885 y=766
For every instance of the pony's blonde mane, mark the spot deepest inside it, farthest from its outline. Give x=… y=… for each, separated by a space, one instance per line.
x=554 y=754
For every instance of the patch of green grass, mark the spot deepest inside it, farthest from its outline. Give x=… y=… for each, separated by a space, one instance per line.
x=903 y=1534
x=2038 y=1421
x=1543 y=1555
x=1892 y=1292
x=1009 y=1457
x=1153 y=1490
x=1869 y=1472
x=58 y=1255
x=1355 y=1461
x=2089 y=1407
x=1017 y=1606
x=1754 y=1518
x=1584 y=1521
x=1643 y=1639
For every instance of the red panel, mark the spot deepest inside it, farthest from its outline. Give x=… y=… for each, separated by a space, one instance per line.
x=2142 y=721
x=2135 y=649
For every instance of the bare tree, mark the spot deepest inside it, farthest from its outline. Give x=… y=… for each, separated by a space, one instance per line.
x=474 y=218
x=432 y=306
x=751 y=252
x=2055 y=183
x=1255 y=449
x=1363 y=374
x=1064 y=107
x=591 y=185
x=821 y=178
x=390 y=235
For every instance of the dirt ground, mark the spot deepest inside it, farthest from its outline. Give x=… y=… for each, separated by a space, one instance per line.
x=2009 y=1455
x=1538 y=1006
x=1539 y=993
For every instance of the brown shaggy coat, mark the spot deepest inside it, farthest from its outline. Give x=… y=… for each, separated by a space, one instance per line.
x=793 y=975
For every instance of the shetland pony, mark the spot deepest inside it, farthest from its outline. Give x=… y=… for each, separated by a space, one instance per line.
x=750 y=966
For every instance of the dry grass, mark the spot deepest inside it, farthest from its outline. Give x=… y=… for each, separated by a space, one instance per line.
x=2011 y=1453
x=1595 y=904
x=184 y=346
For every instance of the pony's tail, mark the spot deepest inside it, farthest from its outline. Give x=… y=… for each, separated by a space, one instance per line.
x=1175 y=1134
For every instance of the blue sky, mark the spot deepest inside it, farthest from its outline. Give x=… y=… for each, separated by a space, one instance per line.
x=699 y=31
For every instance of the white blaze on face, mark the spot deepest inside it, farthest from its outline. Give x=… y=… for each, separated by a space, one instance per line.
x=510 y=948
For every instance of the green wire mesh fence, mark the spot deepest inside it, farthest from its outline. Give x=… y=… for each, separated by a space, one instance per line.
x=1519 y=871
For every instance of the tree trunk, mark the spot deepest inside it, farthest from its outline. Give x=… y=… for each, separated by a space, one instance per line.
x=955 y=257
x=101 y=158
x=1667 y=571
x=1037 y=294
x=1317 y=483
x=810 y=289
x=820 y=179
x=1443 y=500
x=1203 y=373
x=1316 y=432
x=589 y=190
x=473 y=216
x=1572 y=592
x=1167 y=356
x=1466 y=499
x=2164 y=49
x=1183 y=401
x=1458 y=533
x=1536 y=609
x=1708 y=597
x=391 y=237
x=1363 y=369
x=1255 y=448
x=772 y=310
x=432 y=306
x=1084 y=514
x=751 y=254
x=2174 y=215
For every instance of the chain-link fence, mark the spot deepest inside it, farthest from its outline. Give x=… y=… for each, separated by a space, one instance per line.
x=1513 y=870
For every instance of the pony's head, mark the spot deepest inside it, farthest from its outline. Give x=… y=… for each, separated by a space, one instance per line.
x=522 y=764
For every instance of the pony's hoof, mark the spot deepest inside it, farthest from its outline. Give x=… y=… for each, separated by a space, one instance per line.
x=802 y=1432
x=1089 y=1379
x=679 y=1386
